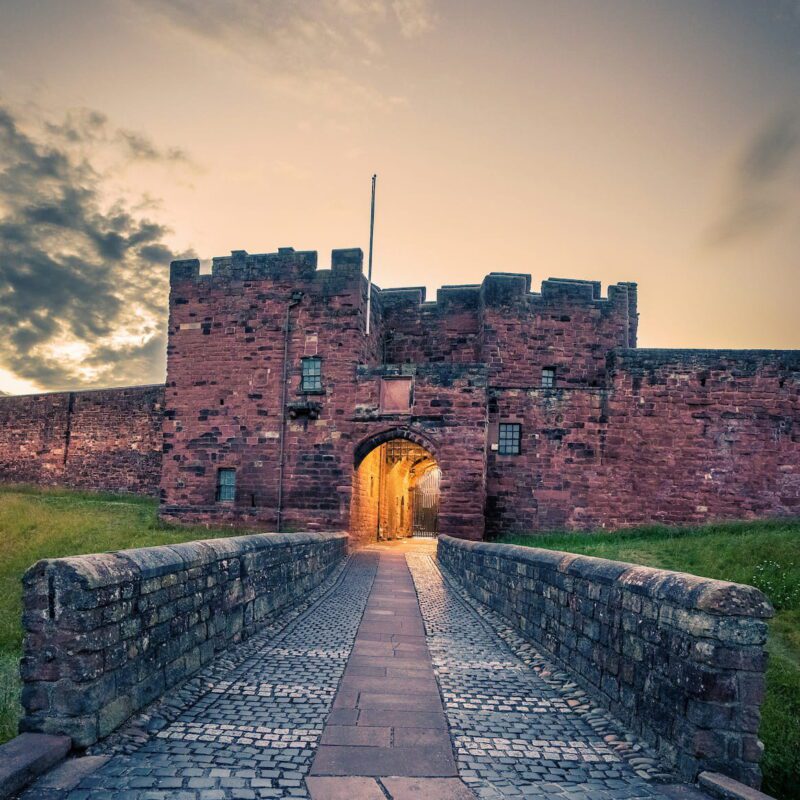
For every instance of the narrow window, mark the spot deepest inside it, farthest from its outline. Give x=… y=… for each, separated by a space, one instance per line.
x=549 y=378
x=226 y=485
x=508 y=444
x=312 y=374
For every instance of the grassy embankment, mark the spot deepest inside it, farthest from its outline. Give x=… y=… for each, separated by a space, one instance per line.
x=763 y=554
x=36 y=524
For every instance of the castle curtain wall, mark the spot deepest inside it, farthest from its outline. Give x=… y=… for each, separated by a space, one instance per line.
x=106 y=440
x=702 y=434
x=680 y=436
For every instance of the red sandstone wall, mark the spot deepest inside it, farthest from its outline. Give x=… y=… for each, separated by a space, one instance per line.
x=224 y=386
x=702 y=435
x=419 y=332
x=32 y=438
x=568 y=326
x=224 y=394
x=550 y=485
x=106 y=440
x=679 y=437
x=364 y=500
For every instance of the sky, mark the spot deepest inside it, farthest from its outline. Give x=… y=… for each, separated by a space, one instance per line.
x=655 y=141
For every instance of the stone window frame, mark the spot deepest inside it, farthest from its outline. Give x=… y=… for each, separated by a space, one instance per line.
x=226 y=489
x=549 y=377
x=311 y=382
x=509 y=438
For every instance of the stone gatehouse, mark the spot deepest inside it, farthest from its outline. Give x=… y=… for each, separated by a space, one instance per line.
x=491 y=409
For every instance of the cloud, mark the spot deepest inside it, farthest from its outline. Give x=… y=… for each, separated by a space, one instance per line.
x=318 y=50
x=83 y=276
x=139 y=147
x=757 y=199
x=84 y=129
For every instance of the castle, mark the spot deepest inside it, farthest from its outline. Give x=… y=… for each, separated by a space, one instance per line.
x=492 y=409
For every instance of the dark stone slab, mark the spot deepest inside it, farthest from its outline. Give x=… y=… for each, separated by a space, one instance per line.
x=26 y=756
x=416 y=686
x=377 y=761
x=427 y=789
x=342 y=716
x=345 y=788
x=400 y=702
x=401 y=719
x=419 y=737
x=356 y=736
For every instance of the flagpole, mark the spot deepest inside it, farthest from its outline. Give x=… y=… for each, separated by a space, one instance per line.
x=369 y=268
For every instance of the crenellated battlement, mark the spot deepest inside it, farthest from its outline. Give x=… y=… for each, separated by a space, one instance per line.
x=284 y=264
x=464 y=322
x=496 y=289
x=508 y=288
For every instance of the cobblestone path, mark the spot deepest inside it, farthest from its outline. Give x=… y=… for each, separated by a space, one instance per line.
x=515 y=733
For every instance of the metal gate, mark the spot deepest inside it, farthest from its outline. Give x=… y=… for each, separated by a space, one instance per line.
x=425 y=504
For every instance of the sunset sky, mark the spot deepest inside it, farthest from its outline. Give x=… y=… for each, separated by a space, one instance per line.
x=614 y=140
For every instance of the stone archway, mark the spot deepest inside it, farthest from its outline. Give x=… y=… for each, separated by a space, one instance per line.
x=389 y=473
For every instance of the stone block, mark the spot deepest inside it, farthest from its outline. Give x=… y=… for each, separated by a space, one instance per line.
x=26 y=756
x=113 y=714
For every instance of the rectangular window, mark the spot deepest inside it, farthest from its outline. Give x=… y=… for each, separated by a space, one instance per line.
x=549 y=378
x=508 y=444
x=226 y=485
x=312 y=374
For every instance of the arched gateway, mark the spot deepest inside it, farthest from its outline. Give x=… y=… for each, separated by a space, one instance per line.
x=396 y=482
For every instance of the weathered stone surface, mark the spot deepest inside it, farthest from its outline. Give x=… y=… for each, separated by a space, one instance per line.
x=108 y=439
x=347 y=788
x=427 y=789
x=678 y=658
x=726 y=788
x=59 y=781
x=107 y=634
x=26 y=756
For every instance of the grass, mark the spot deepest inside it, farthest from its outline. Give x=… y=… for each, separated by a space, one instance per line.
x=37 y=523
x=764 y=554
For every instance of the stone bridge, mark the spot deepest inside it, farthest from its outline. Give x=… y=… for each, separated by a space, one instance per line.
x=273 y=666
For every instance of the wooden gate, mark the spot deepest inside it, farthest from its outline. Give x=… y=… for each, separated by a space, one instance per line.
x=425 y=504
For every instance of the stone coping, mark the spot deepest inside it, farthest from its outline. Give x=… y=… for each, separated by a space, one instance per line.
x=99 y=570
x=677 y=588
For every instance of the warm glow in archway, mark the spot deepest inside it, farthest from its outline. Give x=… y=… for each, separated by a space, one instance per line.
x=395 y=493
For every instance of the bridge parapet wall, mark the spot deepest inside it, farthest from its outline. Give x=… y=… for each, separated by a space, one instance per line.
x=678 y=658
x=107 y=634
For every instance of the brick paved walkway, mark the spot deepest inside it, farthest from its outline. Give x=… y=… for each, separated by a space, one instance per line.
x=347 y=698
